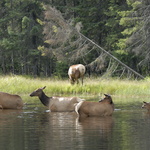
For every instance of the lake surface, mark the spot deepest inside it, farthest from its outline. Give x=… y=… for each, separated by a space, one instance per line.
x=36 y=129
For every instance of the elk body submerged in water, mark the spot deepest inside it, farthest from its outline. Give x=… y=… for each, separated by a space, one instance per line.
x=10 y=101
x=55 y=103
x=104 y=107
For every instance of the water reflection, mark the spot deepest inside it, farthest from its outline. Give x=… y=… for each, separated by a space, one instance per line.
x=95 y=131
x=6 y=116
x=9 y=130
x=37 y=129
x=66 y=131
x=103 y=124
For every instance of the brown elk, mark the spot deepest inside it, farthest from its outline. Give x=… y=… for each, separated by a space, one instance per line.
x=75 y=72
x=146 y=105
x=10 y=101
x=104 y=107
x=56 y=104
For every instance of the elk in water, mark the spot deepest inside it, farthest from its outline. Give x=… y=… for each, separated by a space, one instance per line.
x=56 y=103
x=104 y=107
x=10 y=101
x=146 y=105
x=75 y=72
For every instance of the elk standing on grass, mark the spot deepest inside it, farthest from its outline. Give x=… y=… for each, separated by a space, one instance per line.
x=104 y=107
x=10 y=101
x=75 y=72
x=56 y=104
x=146 y=105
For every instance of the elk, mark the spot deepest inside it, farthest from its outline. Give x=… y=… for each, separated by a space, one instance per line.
x=56 y=103
x=146 y=105
x=10 y=101
x=104 y=107
x=75 y=72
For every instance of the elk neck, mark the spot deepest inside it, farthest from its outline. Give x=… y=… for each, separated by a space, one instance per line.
x=44 y=99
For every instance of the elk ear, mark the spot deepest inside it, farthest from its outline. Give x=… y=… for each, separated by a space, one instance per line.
x=107 y=95
x=43 y=87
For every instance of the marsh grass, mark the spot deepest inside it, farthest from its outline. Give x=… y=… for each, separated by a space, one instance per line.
x=92 y=87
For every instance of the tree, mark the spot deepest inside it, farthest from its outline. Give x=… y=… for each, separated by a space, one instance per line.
x=91 y=18
x=108 y=23
x=136 y=34
x=20 y=36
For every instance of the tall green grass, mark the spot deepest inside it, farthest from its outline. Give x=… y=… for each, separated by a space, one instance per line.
x=92 y=87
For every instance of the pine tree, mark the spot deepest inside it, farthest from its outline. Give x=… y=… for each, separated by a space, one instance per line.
x=136 y=34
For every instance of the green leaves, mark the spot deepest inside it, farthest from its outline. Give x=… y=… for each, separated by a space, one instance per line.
x=25 y=22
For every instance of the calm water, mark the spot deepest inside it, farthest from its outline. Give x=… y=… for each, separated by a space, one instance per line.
x=35 y=129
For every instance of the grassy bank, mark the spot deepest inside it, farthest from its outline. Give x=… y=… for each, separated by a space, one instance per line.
x=92 y=87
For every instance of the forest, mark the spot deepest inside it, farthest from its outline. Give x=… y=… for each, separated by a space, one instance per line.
x=45 y=37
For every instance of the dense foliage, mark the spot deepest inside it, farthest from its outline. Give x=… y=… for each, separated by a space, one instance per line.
x=119 y=26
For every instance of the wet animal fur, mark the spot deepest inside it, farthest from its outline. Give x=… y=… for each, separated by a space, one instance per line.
x=105 y=107
x=10 y=101
x=56 y=103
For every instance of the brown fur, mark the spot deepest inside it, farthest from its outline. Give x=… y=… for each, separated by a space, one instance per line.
x=146 y=105
x=10 y=101
x=75 y=72
x=56 y=104
x=104 y=107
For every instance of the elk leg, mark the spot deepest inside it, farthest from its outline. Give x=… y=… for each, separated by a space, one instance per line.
x=82 y=80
